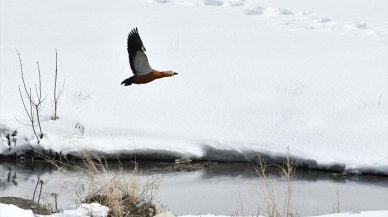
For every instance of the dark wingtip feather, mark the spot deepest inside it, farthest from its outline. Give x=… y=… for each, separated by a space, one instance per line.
x=134 y=42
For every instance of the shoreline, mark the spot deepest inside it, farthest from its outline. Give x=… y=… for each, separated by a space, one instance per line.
x=193 y=164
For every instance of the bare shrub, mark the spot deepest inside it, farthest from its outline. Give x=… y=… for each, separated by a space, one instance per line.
x=35 y=102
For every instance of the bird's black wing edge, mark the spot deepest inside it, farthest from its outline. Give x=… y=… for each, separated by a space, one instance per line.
x=134 y=44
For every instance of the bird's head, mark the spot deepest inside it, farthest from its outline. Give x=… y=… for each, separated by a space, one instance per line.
x=127 y=81
x=172 y=73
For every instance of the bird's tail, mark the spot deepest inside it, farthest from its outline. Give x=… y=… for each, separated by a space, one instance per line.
x=127 y=82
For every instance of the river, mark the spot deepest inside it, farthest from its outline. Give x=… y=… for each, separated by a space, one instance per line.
x=219 y=188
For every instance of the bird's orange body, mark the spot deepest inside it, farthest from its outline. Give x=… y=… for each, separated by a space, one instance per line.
x=142 y=79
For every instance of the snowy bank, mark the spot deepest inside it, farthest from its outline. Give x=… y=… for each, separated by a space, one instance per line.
x=84 y=210
x=254 y=78
x=382 y=213
x=97 y=210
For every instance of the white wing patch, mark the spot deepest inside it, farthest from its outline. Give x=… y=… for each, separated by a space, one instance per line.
x=141 y=65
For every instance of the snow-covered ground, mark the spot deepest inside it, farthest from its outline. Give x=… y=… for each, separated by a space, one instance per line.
x=255 y=76
x=356 y=214
x=97 y=210
x=84 y=210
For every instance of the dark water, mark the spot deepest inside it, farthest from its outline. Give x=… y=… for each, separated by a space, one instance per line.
x=221 y=189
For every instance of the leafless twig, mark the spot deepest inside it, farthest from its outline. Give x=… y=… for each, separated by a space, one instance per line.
x=40 y=191
x=338 y=203
x=36 y=186
x=57 y=94
x=39 y=103
x=36 y=103
x=30 y=114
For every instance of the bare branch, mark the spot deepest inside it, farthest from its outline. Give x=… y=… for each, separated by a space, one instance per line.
x=40 y=83
x=33 y=120
x=34 y=104
x=57 y=95
x=24 y=123
x=38 y=104
x=42 y=105
x=24 y=104
x=61 y=90
x=21 y=71
x=37 y=94
x=56 y=73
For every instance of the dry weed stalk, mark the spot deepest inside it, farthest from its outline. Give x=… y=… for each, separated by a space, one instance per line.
x=337 y=210
x=288 y=171
x=287 y=174
x=57 y=94
x=271 y=209
x=124 y=195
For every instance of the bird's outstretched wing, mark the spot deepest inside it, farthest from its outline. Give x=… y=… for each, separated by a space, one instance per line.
x=137 y=58
x=134 y=42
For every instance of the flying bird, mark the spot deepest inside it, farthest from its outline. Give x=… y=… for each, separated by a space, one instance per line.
x=142 y=71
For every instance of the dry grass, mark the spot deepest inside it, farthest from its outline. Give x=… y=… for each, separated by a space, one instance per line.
x=287 y=172
x=125 y=194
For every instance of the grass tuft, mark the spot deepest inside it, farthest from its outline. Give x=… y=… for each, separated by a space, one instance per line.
x=125 y=195
x=287 y=171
